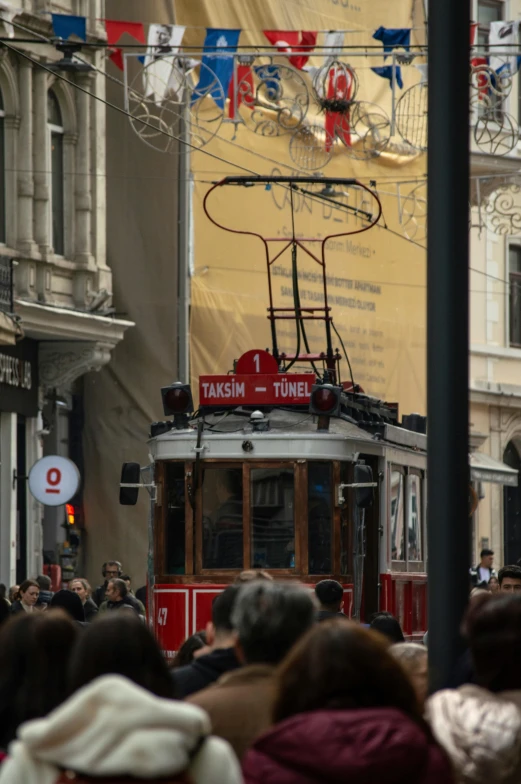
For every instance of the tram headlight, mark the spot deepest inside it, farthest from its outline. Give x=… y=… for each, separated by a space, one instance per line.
x=325 y=400
x=177 y=399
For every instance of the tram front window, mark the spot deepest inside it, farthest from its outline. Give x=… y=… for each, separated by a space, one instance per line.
x=175 y=518
x=273 y=520
x=320 y=518
x=222 y=518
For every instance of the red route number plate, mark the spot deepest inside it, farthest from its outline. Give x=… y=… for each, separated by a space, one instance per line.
x=259 y=389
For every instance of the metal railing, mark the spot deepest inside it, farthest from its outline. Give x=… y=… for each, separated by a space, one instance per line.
x=6 y=285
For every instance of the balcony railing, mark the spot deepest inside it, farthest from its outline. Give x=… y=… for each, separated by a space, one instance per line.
x=6 y=285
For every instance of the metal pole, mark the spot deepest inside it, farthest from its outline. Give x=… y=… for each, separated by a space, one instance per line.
x=183 y=257
x=447 y=332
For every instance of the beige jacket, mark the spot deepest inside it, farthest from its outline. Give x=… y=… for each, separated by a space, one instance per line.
x=481 y=733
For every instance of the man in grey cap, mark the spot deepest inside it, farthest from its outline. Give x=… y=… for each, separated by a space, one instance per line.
x=330 y=595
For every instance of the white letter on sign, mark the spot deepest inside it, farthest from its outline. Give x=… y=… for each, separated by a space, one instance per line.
x=161 y=618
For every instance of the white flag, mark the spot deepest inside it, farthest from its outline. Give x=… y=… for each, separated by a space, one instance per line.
x=163 y=42
x=7 y=14
x=423 y=69
x=501 y=36
x=333 y=43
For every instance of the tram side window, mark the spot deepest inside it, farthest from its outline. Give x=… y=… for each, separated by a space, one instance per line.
x=273 y=519
x=414 y=518
x=397 y=516
x=175 y=519
x=320 y=518
x=222 y=518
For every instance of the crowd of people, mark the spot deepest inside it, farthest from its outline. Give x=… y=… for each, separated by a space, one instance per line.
x=281 y=686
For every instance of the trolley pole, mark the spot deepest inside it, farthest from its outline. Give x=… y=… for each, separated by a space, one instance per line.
x=447 y=332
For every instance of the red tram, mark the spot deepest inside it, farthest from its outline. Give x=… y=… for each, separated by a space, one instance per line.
x=296 y=473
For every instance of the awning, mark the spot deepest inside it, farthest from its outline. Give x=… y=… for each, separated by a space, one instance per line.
x=484 y=468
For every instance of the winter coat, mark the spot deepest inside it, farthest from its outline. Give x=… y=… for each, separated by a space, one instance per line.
x=114 y=728
x=475 y=579
x=91 y=610
x=327 y=615
x=98 y=595
x=239 y=705
x=203 y=671
x=127 y=601
x=480 y=731
x=363 y=746
x=17 y=607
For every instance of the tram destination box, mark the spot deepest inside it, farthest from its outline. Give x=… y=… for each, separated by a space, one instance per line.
x=273 y=389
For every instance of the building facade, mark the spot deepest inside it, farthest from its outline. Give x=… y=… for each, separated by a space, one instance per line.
x=56 y=317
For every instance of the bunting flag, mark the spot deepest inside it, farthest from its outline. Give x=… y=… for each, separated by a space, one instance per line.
x=386 y=72
x=394 y=37
x=65 y=25
x=218 y=47
x=270 y=75
x=163 y=41
x=423 y=69
x=293 y=42
x=337 y=124
x=7 y=14
x=115 y=29
x=244 y=90
x=473 y=33
x=504 y=37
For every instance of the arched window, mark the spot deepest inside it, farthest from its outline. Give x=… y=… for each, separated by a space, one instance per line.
x=2 y=170
x=55 y=125
x=512 y=509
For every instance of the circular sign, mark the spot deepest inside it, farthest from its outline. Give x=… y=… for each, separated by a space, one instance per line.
x=54 y=480
x=256 y=361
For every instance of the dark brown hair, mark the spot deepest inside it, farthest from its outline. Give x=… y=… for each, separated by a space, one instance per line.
x=24 y=587
x=120 y=644
x=340 y=665
x=34 y=654
x=492 y=626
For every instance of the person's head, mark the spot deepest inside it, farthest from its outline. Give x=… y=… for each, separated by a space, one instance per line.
x=127 y=579
x=34 y=655
x=339 y=665
x=509 y=578
x=44 y=582
x=493 y=585
x=386 y=624
x=111 y=569
x=253 y=574
x=492 y=627
x=13 y=591
x=81 y=587
x=487 y=558
x=71 y=603
x=219 y=632
x=121 y=644
x=414 y=659
x=269 y=618
x=116 y=590
x=330 y=595
x=191 y=649
x=476 y=591
x=29 y=592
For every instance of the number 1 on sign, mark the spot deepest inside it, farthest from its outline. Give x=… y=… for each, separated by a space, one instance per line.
x=256 y=360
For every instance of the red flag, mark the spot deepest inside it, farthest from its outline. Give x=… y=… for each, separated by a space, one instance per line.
x=473 y=31
x=337 y=123
x=115 y=29
x=245 y=90
x=481 y=78
x=293 y=41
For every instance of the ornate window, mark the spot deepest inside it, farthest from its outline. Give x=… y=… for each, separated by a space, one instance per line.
x=514 y=276
x=55 y=125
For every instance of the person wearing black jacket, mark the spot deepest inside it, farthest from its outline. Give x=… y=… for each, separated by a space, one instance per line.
x=221 y=638
x=119 y=597
x=109 y=569
x=330 y=595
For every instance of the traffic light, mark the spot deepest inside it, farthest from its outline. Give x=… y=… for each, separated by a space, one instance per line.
x=325 y=400
x=177 y=399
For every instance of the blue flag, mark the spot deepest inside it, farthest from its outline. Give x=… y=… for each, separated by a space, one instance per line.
x=219 y=45
x=386 y=72
x=65 y=26
x=399 y=36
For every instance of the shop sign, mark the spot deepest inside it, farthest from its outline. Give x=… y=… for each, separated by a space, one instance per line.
x=54 y=480
x=19 y=378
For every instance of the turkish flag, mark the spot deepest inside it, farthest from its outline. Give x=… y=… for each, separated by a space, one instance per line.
x=115 y=29
x=337 y=123
x=294 y=42
x=245 y=90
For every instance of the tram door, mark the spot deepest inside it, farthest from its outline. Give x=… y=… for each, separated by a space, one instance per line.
x=372 y=539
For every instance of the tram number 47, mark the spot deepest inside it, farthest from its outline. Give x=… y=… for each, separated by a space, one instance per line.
x=161 y=616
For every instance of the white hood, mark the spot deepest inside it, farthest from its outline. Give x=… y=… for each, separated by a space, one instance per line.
x=113 y=727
